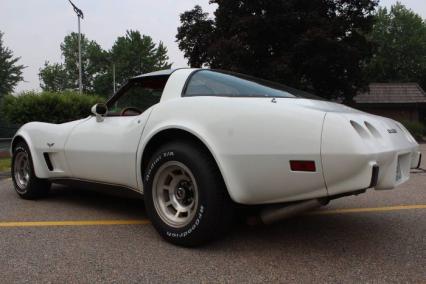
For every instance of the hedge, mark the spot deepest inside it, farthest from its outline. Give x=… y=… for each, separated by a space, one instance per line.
x=47 y=107
x=7 y=130
x=416 y=129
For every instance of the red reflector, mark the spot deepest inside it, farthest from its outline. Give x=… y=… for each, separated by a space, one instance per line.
x=303 y=166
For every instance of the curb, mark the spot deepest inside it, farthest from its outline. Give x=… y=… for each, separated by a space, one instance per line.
x=4 y=175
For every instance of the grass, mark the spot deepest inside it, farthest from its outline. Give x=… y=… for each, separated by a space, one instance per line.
x=5 y=164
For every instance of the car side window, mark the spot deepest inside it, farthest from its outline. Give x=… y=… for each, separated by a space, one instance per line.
x=138 y=94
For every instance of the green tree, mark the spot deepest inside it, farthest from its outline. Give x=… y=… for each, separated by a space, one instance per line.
x=399 y=35
x=64 y=76
x=93 y=61
x=316 y=45
x=54 y=77
x=10 y=71
x=194 y=36
x=131 y=54
x=134 y=54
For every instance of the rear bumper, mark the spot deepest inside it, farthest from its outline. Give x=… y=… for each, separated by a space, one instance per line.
x=354 y=146
x=395 y=168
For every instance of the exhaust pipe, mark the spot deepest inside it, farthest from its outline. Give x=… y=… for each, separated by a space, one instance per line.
x=276 y=213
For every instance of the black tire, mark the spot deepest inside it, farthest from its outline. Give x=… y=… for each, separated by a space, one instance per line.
x=35 y=187
x=214 y=213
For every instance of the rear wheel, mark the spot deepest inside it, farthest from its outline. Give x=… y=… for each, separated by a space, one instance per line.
x=26 y=184
x=185 y=196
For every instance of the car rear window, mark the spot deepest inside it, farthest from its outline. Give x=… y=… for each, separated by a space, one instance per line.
x=221 y=83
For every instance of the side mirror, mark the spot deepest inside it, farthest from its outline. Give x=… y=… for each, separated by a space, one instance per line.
x=99 y=110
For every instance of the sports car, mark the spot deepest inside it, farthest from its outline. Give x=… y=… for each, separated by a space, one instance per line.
x=198 y=143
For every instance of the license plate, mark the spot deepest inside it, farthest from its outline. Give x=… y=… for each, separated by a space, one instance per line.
x=398 y=171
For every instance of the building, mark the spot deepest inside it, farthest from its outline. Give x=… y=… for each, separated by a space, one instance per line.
x=399 y=101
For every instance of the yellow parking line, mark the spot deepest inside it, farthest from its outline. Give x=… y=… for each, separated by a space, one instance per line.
x=146 y=221
x=371 y=209
x=74 y=223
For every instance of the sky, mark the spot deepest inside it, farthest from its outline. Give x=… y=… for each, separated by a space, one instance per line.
x=34 y=29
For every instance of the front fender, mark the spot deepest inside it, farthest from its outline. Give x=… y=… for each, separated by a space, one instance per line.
x=47 y=138
x=25 y=133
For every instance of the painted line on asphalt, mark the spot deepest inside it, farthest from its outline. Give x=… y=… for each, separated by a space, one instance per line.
x=146 y=221
x=367 y=210
x=74 y=223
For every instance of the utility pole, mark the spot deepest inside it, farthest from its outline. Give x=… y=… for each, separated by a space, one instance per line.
x=80 y=73
x=113 y=77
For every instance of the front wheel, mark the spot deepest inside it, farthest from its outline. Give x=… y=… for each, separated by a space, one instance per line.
x=26 y=183
x=185 y=196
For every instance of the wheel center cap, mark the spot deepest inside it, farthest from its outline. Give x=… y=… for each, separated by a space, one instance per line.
x=180 y=193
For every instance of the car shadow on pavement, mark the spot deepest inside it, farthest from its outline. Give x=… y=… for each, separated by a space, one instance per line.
x=119 y=202
x=333 y=235
x=350 y=234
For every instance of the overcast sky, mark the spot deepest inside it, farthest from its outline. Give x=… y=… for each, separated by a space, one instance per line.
x=34 y=29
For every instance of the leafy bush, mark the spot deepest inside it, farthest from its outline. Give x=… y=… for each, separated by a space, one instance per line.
x=7 y=130
x=47 y=107
x=416 y=129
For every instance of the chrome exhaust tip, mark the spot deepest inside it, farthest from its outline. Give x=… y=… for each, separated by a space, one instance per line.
x=274 y=213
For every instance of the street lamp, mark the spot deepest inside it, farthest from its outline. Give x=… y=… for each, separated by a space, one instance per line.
x=110 y=59
x=113 y=78
x=80 y=16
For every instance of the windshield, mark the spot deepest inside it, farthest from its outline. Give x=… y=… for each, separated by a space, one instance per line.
x=221 y=83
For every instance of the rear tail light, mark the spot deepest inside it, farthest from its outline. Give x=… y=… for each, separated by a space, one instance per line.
x=302 y=166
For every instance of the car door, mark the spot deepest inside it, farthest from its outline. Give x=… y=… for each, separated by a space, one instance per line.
x=105 y=151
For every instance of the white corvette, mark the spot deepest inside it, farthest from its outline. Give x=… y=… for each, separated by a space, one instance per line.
x=197 y=142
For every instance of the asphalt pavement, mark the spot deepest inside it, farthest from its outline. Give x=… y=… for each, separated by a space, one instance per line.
x=82 y=236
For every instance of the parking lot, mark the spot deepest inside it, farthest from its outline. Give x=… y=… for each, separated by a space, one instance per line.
x=78 y=235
